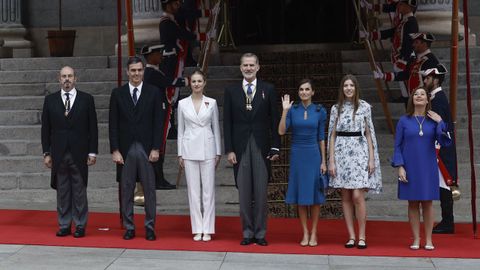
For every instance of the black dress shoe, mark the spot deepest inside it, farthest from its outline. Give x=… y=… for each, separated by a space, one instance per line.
x=150 y=235
x=443 y=229
x=261 y=242
x=63 y=232
x=129 y=234
x=247 y=241
x=79 y=232
x=166 y=186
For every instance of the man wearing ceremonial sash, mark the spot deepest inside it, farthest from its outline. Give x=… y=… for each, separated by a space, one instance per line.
x=250 y=121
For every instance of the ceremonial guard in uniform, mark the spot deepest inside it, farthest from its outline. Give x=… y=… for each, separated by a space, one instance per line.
x=175 y=39
x=446 y=155
x=424 y=59
x=400 y=36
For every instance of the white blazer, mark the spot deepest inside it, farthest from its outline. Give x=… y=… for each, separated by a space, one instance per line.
x=198 y=134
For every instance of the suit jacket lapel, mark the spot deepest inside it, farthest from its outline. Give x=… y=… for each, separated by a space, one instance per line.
x=127 y=98
x=78 y=99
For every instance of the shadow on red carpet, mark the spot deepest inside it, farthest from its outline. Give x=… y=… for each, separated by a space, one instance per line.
x=385 y=238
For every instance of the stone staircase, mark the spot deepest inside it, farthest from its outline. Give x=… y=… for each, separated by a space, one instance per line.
x=24 y=181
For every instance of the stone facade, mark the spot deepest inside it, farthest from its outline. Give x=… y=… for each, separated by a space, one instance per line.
x=25 y=27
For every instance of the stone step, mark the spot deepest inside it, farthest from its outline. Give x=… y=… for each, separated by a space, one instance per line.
x=36 y=102
x=218 y=72
x=104 y=177
x=381 y=124
x=175 y=197
x=441 y=53
x=34 y=147
x=49 y=63
x=40 y=89
x=364 y=67
x=399 y=108
x=34 y=164
x=397 y=210
x=33 y=117
x=40 y=76
x=366 y=80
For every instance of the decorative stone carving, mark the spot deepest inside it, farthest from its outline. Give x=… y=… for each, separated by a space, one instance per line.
x=12 y=30
x=146 y=18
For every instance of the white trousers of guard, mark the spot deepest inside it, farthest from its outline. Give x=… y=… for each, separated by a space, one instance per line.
x=200 y=175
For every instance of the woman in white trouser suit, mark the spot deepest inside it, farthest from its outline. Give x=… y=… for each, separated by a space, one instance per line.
x=199 y=153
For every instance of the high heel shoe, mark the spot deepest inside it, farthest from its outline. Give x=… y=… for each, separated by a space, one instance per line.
x=304 y=241
x=206 y=237
x=197 y=237
x=313 y=241
x=429 y=247
x=415 y=245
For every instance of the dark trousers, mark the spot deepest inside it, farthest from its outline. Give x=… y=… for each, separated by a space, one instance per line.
x=252 y=181
x=72 y=202
x=446 y=203
x=136 y=167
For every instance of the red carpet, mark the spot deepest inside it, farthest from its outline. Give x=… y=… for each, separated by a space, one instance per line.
x=173 y=233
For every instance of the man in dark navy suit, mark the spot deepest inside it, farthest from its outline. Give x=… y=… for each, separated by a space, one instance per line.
x=70 y=145
x=135 y=121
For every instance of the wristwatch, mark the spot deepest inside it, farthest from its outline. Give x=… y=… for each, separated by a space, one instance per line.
x=46 y=154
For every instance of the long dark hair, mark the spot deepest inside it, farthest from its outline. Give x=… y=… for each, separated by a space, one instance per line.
x=341 y=95
x=411 y=107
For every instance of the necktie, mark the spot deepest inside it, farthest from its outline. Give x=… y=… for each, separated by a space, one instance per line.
x=134 y=97
x=249 y=90
x=67 y=103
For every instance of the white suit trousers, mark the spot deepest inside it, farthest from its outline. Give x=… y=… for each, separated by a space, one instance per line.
x=200 y=177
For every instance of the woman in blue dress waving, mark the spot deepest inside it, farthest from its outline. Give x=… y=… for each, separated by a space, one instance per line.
x=307 y=157
x=414 y=156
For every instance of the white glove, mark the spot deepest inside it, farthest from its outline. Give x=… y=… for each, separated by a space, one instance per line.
x=215 y=9
x=366 y=4
x=212 y=34
x=363 y=34
x=378 y=73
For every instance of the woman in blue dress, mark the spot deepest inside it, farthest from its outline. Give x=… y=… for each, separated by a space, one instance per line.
x=414 y=156
x=307 y=157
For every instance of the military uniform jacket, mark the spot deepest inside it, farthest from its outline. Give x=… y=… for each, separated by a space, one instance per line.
x=423 y=61
x=171 y=34
x=400 y=37
x=448 y=154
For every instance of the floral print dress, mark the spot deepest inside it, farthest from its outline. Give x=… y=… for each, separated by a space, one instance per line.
x=351 y=153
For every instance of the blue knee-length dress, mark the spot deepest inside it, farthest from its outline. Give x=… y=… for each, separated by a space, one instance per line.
x=305 y=186
x=417 y=155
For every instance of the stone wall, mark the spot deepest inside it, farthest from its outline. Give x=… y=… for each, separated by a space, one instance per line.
x=95 y=22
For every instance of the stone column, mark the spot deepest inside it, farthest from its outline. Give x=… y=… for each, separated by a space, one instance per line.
x=146 y=17
x=12 y=30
